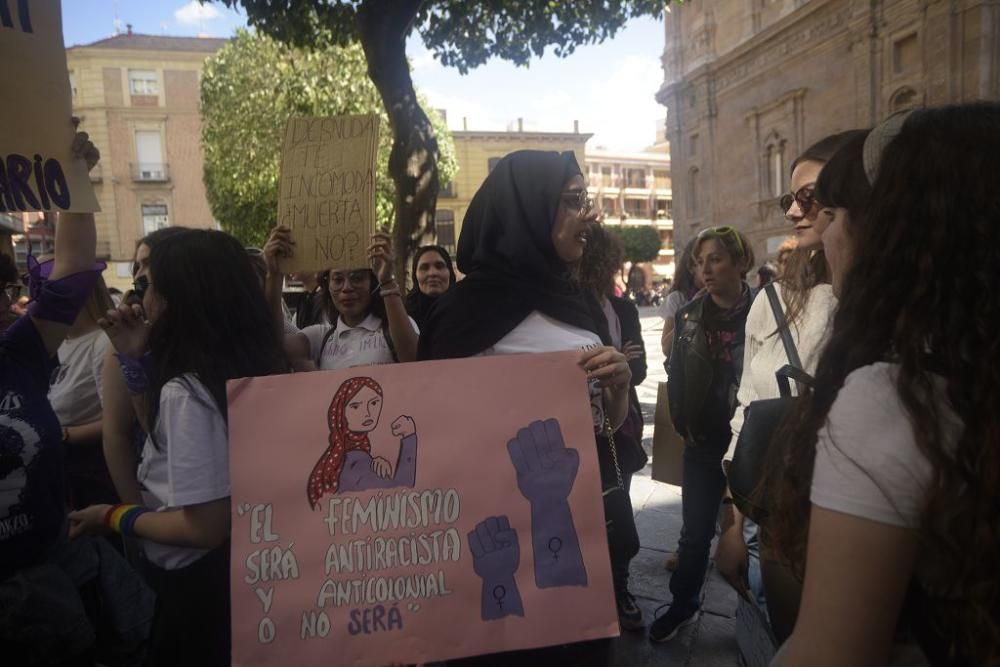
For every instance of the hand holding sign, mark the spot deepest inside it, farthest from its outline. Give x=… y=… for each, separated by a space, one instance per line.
x=380 y=257
x=546 y=470
x=37 y=171
x=279 y=246
x=496 y=556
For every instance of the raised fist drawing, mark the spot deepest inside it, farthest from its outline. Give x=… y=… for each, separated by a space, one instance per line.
x=546 y=470
x=496 y=556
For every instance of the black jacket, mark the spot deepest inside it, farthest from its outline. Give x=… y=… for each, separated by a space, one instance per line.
x=691 y=371
x=628 y=315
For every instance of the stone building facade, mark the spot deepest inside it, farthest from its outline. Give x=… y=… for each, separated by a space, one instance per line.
x=750 y=84
x=137 y=96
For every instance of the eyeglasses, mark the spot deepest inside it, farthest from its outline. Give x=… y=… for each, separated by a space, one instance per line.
x=578 y=200
x=356 y=279
x=140 y=285
x=722 y=232
x=805 y=197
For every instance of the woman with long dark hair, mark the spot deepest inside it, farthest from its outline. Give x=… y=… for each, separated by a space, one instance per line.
x=122 y=433
x=886 y=497
x=602 y=260
x=433 y=275
x=208 y=323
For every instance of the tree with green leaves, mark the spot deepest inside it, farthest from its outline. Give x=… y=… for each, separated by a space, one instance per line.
x=249 y=90
x=641 y=243
x=460 y=34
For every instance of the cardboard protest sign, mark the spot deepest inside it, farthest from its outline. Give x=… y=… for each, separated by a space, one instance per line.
x=37 y=172
x=416 y=512
x=326 y=195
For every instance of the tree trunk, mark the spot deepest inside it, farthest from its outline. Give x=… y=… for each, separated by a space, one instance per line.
x=383 y=26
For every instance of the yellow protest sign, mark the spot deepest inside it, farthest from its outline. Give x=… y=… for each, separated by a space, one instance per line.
x=326 y=194
x=37 y=172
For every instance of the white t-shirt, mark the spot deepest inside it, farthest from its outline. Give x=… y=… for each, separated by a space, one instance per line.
x=363 y=345
x=75 y=390
x=764 y=353
x=539 y=333
x=674 y=302
x=191 y=465
x=868 y=464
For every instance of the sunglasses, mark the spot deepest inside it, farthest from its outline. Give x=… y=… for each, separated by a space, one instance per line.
x=722 y=232
x=577 y=200
x=140 y=285
x=805 y=197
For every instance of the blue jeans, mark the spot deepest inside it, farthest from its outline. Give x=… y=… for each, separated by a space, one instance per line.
x=704 y=483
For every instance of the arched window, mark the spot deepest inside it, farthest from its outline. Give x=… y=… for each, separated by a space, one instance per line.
x=776 y=168
x=904 y=98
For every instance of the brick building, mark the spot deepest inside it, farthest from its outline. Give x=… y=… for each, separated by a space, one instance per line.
x=749 y=84
x=137 y=97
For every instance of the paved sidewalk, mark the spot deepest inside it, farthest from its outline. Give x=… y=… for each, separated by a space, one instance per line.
x=712 y=641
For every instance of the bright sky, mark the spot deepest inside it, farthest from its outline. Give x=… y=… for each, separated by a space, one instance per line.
x=609 y=88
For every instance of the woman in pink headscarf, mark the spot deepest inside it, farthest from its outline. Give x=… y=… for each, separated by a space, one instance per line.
x=347 y=464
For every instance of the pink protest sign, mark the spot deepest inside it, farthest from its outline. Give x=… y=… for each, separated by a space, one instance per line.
x=416 y=512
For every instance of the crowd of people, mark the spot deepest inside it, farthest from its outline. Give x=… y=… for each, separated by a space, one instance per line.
x=869 y=535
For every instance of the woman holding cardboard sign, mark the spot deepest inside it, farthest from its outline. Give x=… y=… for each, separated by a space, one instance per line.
x=372 y=326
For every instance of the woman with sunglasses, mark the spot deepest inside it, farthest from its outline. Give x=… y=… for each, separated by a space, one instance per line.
x=122 y=434
x=372 y=326
x=808 y=303
x=525 y=230
x=705 y=367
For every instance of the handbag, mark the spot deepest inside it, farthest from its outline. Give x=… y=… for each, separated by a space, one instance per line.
x=760 y=422
x=623 y=538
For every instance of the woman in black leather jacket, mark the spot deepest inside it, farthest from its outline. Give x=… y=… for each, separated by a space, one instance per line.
x=705 y=369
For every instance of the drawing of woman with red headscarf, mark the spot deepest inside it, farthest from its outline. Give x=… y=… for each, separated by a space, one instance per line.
x=347 y=464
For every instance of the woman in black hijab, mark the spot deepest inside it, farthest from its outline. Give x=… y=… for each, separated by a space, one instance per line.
x=525 y=230
x=433 y=275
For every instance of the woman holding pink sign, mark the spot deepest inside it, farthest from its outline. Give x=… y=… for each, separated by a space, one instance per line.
x=524 y=232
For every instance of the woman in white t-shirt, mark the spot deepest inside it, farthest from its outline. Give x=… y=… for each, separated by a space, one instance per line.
x=525 y=228
x=207 y=323
x=887 y=498
x=76 y=395
x=372 y=326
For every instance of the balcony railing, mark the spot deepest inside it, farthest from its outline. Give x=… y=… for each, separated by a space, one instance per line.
x=150 y=172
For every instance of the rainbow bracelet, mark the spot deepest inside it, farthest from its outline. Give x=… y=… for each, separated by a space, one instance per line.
x=121 y=518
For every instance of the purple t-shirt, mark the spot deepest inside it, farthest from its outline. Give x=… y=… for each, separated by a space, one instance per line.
x=32 y=486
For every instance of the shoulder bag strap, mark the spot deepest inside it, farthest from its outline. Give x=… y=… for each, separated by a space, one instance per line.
x=783 y=328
